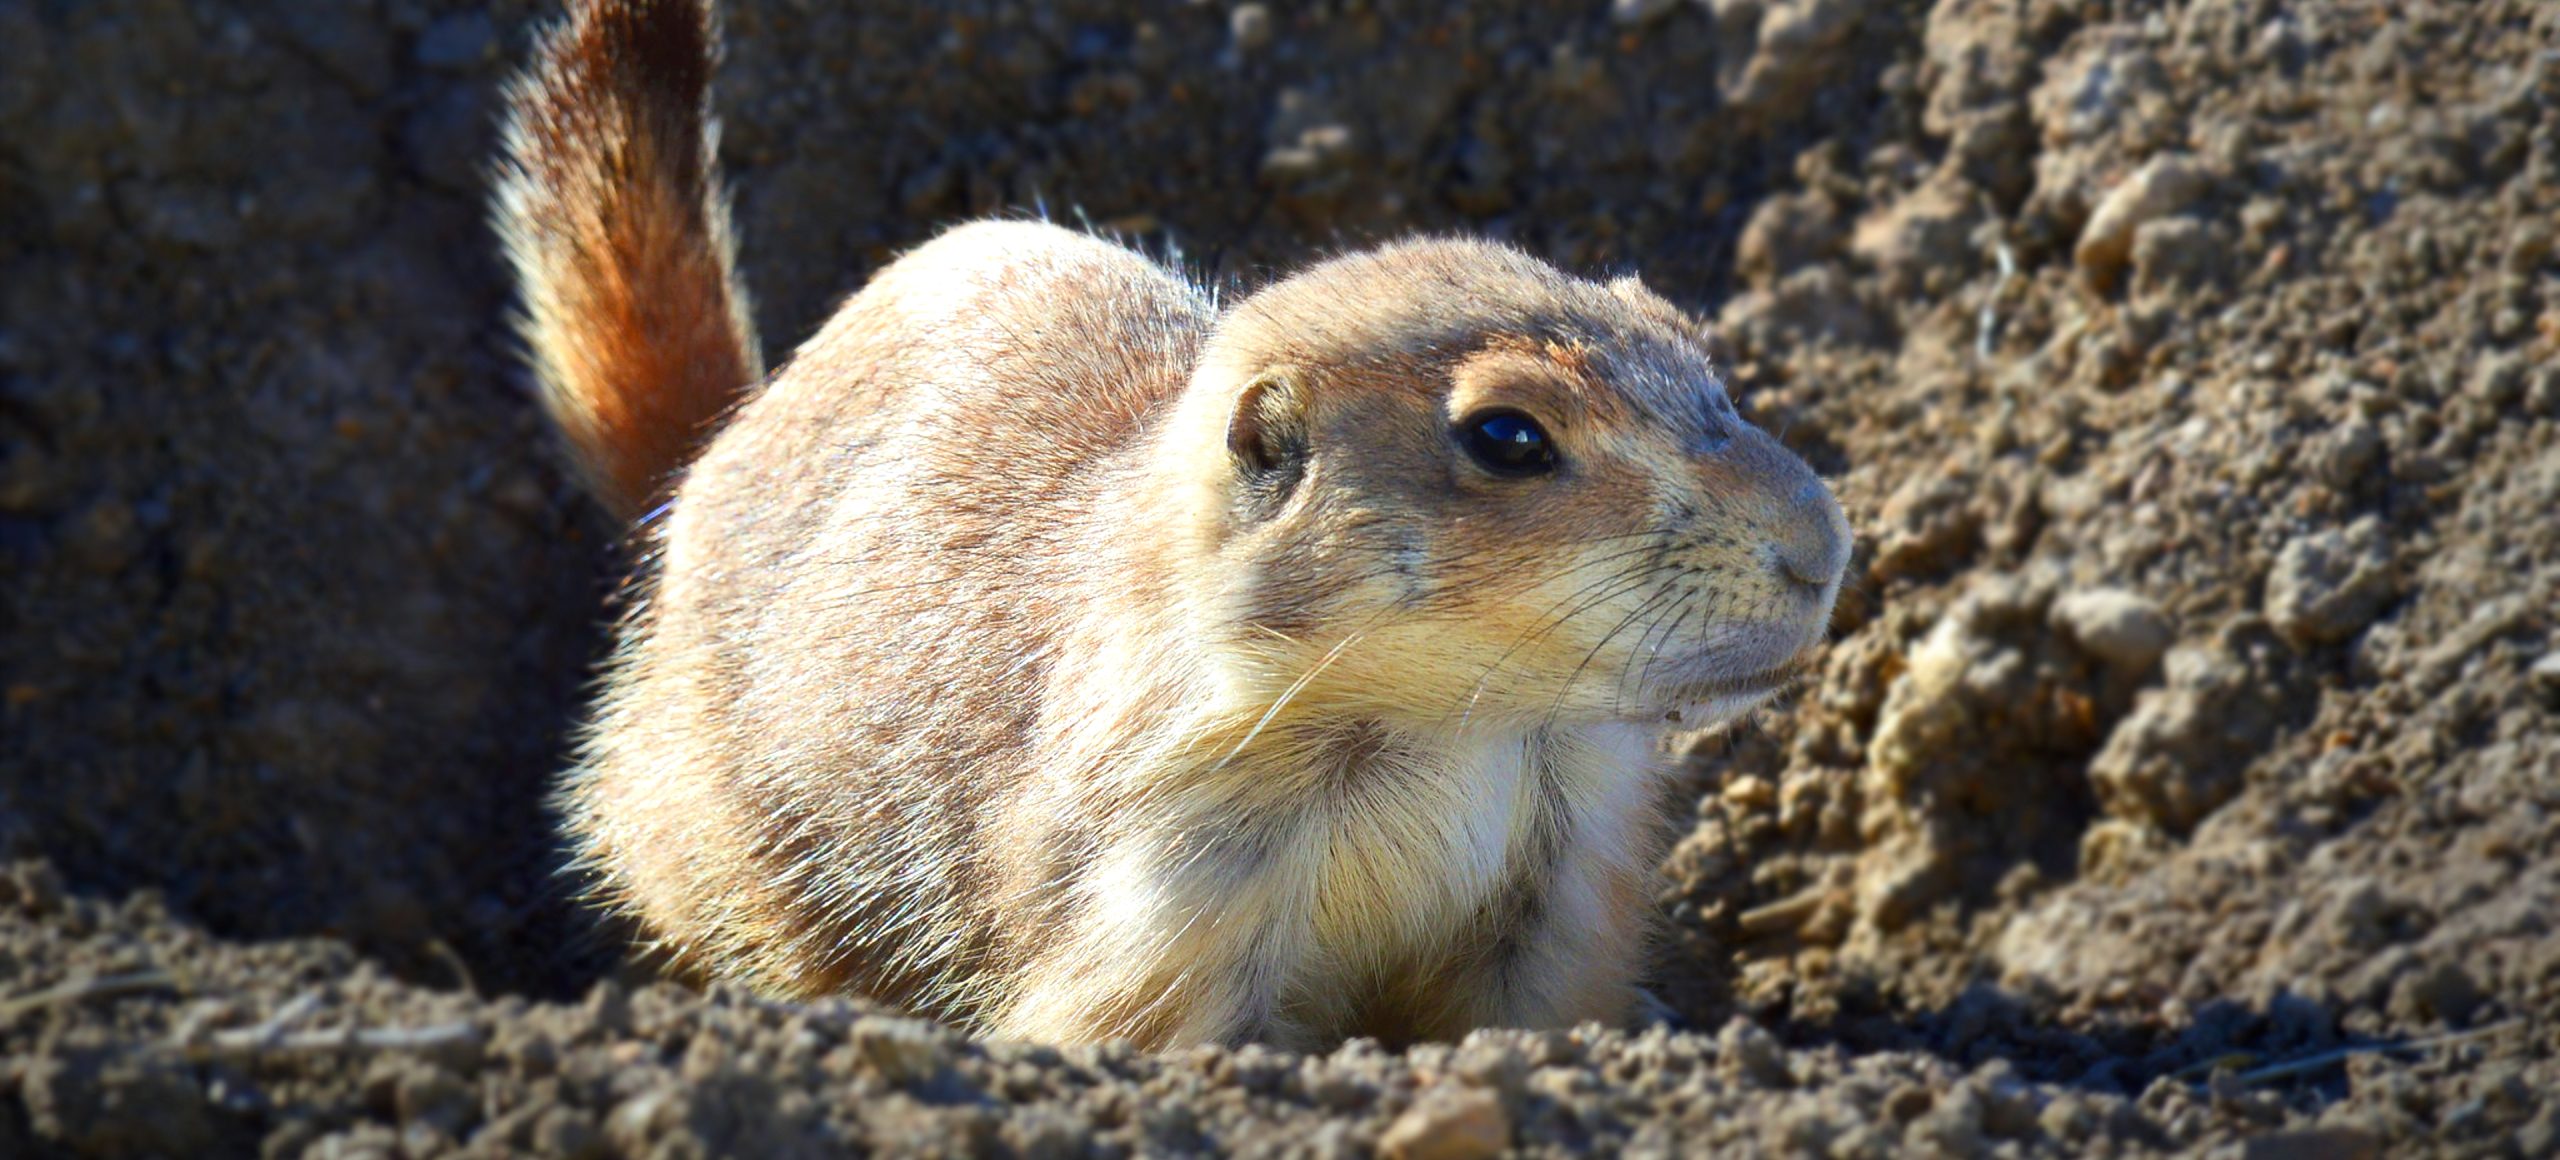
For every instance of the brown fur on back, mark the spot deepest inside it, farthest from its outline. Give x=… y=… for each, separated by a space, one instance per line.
x=619 y=233
x=768 y=782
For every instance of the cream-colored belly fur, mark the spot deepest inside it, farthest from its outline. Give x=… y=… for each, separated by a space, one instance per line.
x=1288 y=904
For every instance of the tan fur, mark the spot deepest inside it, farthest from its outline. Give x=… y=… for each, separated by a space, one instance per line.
x=619 y=233
x=1047 y=649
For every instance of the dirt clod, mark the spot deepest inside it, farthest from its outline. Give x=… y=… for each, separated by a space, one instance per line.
x=2120 y=628
x=2115 y=231
x=2545 y=676
x=1448 y=1123
x=2328 y=585
x=101 y=1100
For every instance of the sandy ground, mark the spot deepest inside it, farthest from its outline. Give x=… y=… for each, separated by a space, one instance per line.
x=2184 y=775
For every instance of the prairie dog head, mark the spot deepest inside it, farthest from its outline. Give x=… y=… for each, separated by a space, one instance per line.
x=1443 y=483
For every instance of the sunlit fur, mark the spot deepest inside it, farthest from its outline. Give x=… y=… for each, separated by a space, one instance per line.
x=980 y=672
x=616 y=225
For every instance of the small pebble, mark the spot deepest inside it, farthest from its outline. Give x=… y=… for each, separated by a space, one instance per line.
x=2345 y=455
x=2443 y=992
x=2124 y=629
x=1449 y=1123
x=901 y=1050
x=2158 y=189
x=1751 y=791
x=1250 y=25
x=1635 y=13
x=2327 y=586
x=2544 y=677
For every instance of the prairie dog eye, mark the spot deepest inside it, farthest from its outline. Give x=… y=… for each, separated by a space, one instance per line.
x=1507 y=443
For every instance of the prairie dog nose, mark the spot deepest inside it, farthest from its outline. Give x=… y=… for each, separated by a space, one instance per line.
x=1811 y=547
x=1805 y=537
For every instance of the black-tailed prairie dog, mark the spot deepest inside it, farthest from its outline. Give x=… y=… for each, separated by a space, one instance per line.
x=1050 y=647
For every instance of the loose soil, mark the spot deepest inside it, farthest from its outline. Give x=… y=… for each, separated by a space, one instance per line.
x=2184 y=775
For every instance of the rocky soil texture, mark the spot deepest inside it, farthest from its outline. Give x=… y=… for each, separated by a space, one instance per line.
x=2184 y=775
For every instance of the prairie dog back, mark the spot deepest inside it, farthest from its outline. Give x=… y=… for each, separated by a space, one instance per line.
x=787 y=641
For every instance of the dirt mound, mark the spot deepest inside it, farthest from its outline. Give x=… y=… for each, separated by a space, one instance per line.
x=2186 y=767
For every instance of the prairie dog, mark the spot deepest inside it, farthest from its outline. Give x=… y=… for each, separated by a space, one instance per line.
x=1052 y=649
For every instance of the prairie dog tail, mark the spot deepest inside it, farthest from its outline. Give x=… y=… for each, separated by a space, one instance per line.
x=613 y=216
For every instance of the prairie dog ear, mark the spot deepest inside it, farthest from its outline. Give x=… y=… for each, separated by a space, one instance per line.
x=1267 y=433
